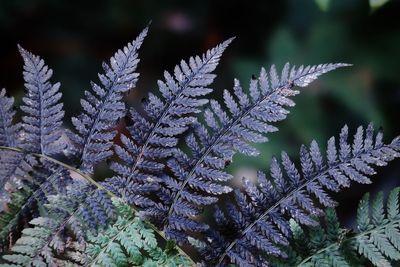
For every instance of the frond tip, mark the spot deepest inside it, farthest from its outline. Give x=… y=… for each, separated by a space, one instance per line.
x=44 y=111
x=103 y=107
x=302 y=77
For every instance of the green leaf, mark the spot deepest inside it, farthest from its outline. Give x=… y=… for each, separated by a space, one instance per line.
x=363 y=213
x=394 y=235
x=383 y=244
x=368 y=249
x=393 y=204
x=333 y=230
x=377 y=209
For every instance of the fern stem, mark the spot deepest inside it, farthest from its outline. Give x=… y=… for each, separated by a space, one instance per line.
x=99 y=186
x=39 y=85
x=376 y=229
x=221 y=135
x=280 y=201
x=66 y=166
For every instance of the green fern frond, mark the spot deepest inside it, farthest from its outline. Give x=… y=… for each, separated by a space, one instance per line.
x=10 y=217
x=43 y=243
x=130 y=242
x=29 y=249
x=377 y=239
x=379 y=236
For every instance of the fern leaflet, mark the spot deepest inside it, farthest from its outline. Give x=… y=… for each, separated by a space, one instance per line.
x=44 y=113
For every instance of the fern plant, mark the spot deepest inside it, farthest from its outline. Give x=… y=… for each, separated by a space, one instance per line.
x=169 y=168
x=375 y=241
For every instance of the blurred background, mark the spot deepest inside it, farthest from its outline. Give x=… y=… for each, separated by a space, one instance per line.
x=75 y=36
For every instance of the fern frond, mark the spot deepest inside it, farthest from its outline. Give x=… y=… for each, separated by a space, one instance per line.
x=28 y=249
x=155 y=135
x=259 y=215
x=42 y=106
x=48 y=233
x=129 y=242
x=82 y=208
x=77 y=220
x=41 y=124
x=103 y=107
x=376 y=239
x=316 y=246
x=33 y=248
x=43 y=180
x=197 y=176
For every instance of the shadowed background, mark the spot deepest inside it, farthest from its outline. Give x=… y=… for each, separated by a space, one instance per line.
x=75 y=36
